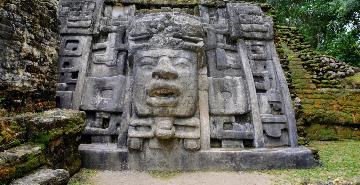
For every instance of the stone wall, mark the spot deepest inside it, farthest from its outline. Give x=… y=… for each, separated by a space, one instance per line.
x=40 y=140
x=326 y=91
x=28 y=54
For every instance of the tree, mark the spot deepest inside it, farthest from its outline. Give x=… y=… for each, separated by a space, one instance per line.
x=330 y=26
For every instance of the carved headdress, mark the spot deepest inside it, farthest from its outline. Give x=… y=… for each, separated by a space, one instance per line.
x=165 y=30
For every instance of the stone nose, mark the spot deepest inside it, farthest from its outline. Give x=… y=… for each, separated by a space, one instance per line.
x=165 y=70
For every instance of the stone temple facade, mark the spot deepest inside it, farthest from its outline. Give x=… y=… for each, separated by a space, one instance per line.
x=170 y=87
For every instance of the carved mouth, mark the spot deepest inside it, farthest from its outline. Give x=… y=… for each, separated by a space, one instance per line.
x=163 y=95
x=164 y=92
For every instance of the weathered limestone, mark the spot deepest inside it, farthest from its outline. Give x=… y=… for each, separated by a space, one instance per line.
x=29 y=40
x=35 y=140
x=45 y=176
x=167 y=89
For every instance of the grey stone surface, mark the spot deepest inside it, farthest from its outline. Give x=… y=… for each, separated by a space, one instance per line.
x=29 y=43
x=44 y=176
x=104 y=94
x=228 y=96
x=112 y=158
x=104 y=156
x=17 y=154
x=164 y=89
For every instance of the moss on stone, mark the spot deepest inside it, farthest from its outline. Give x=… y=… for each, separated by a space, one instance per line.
x=57 y=132
x=33 y=162
x=83 y=177
x=331 y=132
x=22 y=165
x=321 y=133
x=11 y=134
x=5 y=172
x=352 y=81
x=330 y=108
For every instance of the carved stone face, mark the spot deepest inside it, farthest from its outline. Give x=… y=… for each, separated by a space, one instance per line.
x=165 y=83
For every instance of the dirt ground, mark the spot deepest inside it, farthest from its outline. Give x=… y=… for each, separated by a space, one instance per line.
x=191 y=178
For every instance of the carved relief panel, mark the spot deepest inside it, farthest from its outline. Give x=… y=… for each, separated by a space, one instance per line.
x=163 y=80
x=228 y=88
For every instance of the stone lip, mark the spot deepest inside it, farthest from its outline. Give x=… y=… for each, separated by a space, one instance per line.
x=108 y=156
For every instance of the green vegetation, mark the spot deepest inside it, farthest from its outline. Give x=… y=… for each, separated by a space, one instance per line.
x=331 y=26
x=321 y=133
x=325 y=114
x=11 y=134
x=18 y=168
x=32 y=163
x=353 y=81
x=58 y=141
x=83 y=177
x=340 y=159
x=355 y=78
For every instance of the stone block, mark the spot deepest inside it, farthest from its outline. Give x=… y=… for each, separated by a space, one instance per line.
x=229 y=128
x=19 y=154
x=106 y=157
x=72 y=46
x=248 y=21
x=64 y=99
x=103 y=94
x=228 y=96
x=45 y=176
x=78 y=16
x=20 y=160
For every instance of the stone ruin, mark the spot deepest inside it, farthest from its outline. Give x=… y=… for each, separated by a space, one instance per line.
x=190 y=87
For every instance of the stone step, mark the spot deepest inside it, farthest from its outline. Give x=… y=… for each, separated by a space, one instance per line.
x=45 y=176
x=20 y=160
x=19 y=154
x=108 y=156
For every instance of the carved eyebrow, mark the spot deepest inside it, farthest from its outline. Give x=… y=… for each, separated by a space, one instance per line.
x=139 y=38
x=188 y=61
x=188 y=38
x=162 y=55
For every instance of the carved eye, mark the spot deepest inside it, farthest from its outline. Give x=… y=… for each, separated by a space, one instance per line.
x=182 y=63
x=147 y=63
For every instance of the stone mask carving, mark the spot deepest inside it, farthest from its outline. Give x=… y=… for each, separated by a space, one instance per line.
x=174 y=91
x=164 y=53
x=164 y=50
